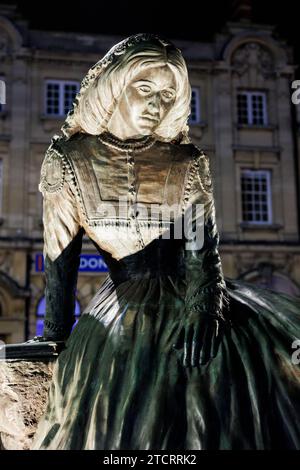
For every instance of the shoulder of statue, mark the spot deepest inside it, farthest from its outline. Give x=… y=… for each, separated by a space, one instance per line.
x=55 y=166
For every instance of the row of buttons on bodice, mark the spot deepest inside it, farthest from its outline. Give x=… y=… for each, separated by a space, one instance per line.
x=132 y=200
x=130 y=147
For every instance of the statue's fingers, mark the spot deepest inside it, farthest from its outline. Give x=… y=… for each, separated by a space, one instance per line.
x=196 y=345
x=188 y=336
x=216 y=341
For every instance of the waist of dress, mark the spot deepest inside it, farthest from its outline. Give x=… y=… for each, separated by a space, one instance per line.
x=159 y=258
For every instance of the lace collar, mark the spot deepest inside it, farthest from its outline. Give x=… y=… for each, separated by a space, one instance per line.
x=128 y=145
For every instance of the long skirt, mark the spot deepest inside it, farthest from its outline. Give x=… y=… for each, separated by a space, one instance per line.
x=119 y=383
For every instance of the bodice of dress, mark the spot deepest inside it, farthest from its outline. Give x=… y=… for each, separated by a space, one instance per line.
x=124 y=198
x=127 y=197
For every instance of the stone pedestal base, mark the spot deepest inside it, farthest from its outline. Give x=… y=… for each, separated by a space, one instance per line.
x=23 y=397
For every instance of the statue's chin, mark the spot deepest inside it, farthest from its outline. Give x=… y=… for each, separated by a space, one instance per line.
x=141 y=134
x=147 y=130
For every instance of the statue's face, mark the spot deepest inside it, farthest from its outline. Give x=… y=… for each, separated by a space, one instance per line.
x=144 y=103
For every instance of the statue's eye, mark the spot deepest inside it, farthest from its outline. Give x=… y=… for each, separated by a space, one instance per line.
x=168 y=95
x=144 y=89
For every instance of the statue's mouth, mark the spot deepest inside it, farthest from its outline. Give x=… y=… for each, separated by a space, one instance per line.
x=150 y=118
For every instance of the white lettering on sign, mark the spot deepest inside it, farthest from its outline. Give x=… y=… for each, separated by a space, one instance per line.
x=92 y=263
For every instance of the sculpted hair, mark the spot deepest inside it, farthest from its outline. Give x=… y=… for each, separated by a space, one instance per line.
x=98 y=99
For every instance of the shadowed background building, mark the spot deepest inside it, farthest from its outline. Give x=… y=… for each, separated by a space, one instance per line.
x=242 y=116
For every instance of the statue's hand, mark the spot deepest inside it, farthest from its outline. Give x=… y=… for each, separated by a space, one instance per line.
x=37 y=339
x=199 y=338
x=42 y=339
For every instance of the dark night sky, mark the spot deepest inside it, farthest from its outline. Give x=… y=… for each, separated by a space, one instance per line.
x=195 y=19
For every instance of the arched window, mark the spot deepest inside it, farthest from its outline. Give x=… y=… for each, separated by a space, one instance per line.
x=40 y=314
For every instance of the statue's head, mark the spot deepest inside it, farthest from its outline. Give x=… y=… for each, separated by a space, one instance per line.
x=140 y=87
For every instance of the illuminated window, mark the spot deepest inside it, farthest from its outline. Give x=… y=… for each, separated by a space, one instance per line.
x=60 y=95
x=252 y=108
x=2 y=94
x=195 y=107
x=256 y=196
x=40 y=315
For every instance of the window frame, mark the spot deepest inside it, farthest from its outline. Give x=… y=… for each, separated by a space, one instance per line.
x=40 y=316
x=197 y=120
x=268 y=174
x=249 y=94
x=61 y=95
x=3 y=106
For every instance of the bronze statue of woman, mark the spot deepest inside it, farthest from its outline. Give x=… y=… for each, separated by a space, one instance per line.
x=168 y=354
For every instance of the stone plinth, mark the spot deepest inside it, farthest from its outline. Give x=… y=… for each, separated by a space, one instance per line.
x=23 y=397
x=25 y=376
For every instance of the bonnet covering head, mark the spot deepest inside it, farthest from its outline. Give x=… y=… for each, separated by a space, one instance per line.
x=90 y=113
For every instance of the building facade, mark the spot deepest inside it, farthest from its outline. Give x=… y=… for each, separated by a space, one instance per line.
x=241 y=116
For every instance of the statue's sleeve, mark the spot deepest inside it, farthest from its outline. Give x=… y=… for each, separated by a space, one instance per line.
x=206 y=292
x=62 y=244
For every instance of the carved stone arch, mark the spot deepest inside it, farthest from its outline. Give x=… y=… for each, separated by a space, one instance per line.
x=9 y=291
x=255 y=51
x=10 y=38
x=253 y=57
x=9 y=285
x=4 y=302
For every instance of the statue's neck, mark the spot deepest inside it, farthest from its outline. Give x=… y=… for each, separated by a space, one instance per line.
x=129 y=144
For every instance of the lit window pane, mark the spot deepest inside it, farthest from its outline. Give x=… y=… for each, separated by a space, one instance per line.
x=39 y=327
x=195 y=107
x=242 y=105
x=256 y=190
x=60 y=97
x=70 y=93
x=52 y=100
x=40 y=314
x=251 y=108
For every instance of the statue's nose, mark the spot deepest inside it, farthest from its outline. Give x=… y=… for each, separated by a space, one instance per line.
x=154 y=103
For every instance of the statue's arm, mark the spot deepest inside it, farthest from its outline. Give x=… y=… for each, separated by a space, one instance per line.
x=206 y=297
x=62 y=246
x=206 y=287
